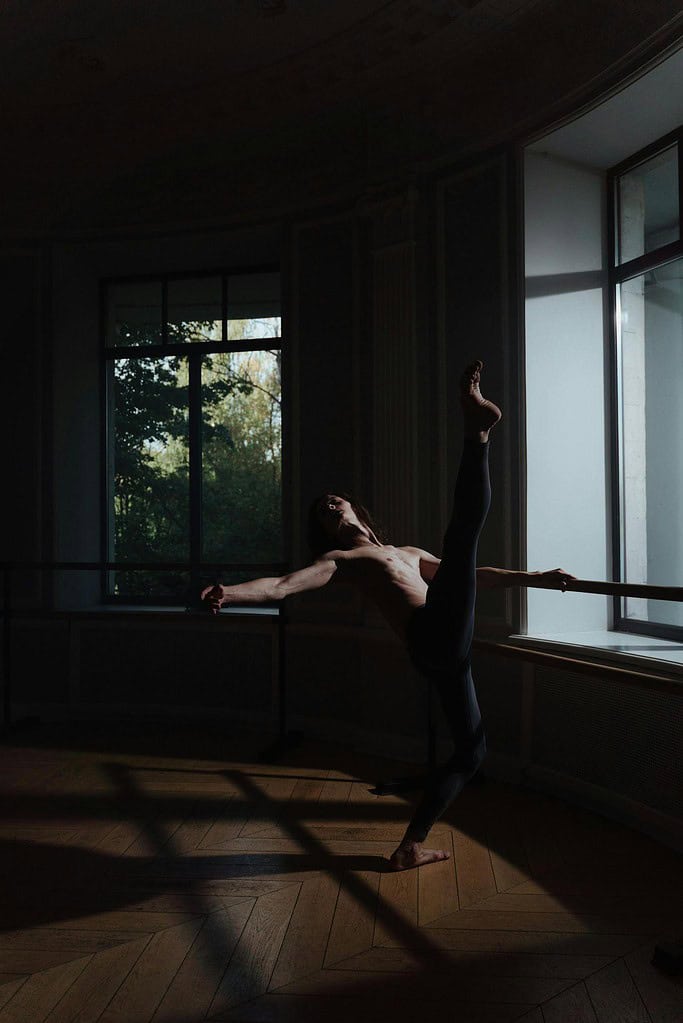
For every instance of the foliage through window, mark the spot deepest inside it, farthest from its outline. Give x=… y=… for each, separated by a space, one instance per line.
x=193 y=370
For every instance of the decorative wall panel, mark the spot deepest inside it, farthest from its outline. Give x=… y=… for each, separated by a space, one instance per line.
x=394 y=368
x=623 y=738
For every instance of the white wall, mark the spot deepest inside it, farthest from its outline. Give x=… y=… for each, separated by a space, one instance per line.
x=565 y=389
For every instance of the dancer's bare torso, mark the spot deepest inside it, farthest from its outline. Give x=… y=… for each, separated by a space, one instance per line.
x=394 y=578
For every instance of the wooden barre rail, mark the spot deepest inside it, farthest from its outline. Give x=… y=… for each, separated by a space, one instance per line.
x=612 y=589
x=138 y=566
x=535 y=581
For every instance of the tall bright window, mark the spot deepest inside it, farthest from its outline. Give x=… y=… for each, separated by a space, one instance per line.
x=646 y=267
x=192 y=369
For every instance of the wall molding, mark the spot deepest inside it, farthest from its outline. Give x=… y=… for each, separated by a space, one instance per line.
x=394 y=363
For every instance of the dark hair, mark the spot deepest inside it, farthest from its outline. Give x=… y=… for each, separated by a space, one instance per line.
x=319 y=540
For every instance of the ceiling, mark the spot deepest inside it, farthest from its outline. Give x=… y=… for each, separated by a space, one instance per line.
x=646 y=109
x=117 y=111
x=57 y=54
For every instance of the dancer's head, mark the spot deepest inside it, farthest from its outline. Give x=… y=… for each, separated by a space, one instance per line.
x=334 y=519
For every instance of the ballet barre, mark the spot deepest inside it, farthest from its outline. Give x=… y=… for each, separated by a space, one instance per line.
x=612 y=589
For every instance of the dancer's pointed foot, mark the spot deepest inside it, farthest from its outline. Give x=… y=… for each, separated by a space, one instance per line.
x=411 y=854
x=480 y=414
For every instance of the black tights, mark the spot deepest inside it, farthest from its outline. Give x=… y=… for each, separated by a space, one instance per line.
x=440 y=638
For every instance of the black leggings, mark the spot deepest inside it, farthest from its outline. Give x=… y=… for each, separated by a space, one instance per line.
x=440 y=633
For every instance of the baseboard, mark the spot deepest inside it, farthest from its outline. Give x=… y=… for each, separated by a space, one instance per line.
x=663 y=828
x=503 y=767
x=412 y=749
x=60 y=712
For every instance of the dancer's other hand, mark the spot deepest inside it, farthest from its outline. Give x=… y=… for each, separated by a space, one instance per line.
x=213 y=597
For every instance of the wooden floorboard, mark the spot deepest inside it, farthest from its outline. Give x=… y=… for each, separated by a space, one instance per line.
x=175 y=889
x=529 y=942
x=354 y=918
x=491 y=918
x=9 y=986
x=41 y=992
x=137 y=998
x=249 y=972
x=397 y=902
x=534 y=1016
x=192 y=989
x=473 y=867
x=615 y=997
x=383 y=1005
x=21 y=961
x=437 y=888
x=661 y=994
x=499 y=964
x=305 y=943
x=571 y=1006
x=442 y=986
x=94 y=988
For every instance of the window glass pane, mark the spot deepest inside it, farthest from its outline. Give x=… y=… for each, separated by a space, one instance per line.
x=149 y=468
x=241 y=457
x=253 y=306
x=150 y=587
x=134 y=314
x=648 y=204
x=195 y=309
x=651 y=357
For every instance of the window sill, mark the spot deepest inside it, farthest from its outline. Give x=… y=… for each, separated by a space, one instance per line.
x=623 y=648
x=158 y=610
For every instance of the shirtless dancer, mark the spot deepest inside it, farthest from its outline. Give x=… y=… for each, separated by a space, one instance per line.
x=428 y=601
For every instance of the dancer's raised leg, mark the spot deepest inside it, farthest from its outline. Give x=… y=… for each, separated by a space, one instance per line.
x=449 y=621
x=452 y=592
x=479 y=414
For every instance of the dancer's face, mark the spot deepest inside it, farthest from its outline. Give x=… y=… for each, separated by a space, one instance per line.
x=337 y=515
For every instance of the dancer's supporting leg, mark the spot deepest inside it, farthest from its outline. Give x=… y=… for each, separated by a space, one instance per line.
x=443 y=639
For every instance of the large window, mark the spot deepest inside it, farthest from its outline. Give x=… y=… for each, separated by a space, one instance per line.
x=646 y=267
x=193 y=433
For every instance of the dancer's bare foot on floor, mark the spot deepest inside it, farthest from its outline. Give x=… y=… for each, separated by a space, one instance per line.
x=480 y=414
x=411 y=854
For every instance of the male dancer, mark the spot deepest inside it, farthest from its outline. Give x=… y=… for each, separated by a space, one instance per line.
x=428 y=601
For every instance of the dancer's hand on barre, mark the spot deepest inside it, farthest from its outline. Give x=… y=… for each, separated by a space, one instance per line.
x=553 y=579
x=214 y=598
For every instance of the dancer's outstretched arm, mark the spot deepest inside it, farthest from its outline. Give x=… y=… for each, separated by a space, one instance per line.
x=501 y=578
x=261 y=591
x=495 y=578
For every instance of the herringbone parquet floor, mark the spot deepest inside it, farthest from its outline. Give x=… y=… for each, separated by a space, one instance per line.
x=150 y=875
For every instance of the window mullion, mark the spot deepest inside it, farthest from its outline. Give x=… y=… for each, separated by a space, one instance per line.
x=224 y=308
x=195 y=446
x=649 y=327
x=614 y=205
x=648 y=261
x=164 y=313
x=680 y=182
